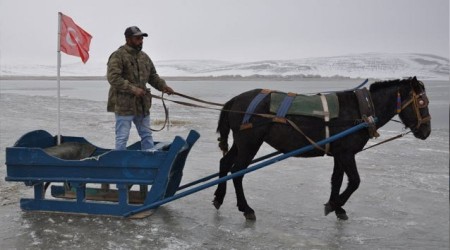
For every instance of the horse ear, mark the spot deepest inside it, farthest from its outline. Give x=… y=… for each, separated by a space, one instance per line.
x=417 y=85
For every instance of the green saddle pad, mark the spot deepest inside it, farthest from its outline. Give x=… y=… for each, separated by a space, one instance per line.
x=308 y=105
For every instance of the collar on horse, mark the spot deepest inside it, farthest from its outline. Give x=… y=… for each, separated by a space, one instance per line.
x=367 y=110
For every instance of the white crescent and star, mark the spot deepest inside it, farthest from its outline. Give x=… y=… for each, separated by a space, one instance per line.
x=74 y=33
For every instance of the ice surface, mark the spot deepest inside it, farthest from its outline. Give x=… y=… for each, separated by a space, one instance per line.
x=402 y=202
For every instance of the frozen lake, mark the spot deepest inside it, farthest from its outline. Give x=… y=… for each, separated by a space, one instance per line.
x=402 y=202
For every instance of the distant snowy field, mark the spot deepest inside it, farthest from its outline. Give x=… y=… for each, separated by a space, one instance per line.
x=369 y=65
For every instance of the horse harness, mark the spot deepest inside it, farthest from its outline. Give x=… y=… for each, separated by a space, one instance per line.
x=366 y=108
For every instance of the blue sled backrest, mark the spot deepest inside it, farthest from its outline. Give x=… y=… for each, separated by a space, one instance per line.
x=36 y=139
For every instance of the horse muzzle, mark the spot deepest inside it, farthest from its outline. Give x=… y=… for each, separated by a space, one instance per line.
x=423 y=130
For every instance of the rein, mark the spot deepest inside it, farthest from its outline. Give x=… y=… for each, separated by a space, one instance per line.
x=198 y=100
x=388 y=140
x=269 y=116
x=166 y=113
x=166 y=110
x=190 y=104
x=418 y=101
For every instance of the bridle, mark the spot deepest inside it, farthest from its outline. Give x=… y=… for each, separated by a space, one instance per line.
x=418 y=101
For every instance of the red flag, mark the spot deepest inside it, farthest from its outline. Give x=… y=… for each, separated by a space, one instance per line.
x=73 y=39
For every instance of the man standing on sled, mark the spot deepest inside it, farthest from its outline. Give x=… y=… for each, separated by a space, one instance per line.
x=129 y=70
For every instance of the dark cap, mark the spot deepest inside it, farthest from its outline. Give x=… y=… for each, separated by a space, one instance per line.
x=134 y=31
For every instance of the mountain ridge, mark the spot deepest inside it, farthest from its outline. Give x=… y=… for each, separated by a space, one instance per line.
x=367 y=65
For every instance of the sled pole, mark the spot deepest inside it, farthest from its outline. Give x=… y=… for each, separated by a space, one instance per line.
x=217 y=174
x=250 y=169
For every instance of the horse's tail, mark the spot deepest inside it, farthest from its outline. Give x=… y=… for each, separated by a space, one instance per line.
x=223 y=128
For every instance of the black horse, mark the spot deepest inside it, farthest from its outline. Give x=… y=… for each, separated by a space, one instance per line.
x=286 y=137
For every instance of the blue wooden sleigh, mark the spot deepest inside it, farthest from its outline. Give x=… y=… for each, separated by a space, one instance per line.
x=83 y=184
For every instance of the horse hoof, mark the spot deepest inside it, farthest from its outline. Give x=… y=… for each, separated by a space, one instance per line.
x=341 y=213
x=328 y=208
x=216 y=204
x=250 y=216
x=342 y=216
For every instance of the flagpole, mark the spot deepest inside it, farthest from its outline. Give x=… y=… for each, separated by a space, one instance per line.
x=58 y=77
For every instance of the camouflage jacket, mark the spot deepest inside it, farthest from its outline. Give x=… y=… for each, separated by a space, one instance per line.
x=128 y=67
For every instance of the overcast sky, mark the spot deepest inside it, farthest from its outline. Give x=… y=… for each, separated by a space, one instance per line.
x=228 y=30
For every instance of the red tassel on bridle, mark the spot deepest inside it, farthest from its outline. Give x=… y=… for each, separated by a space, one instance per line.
x=399 y=103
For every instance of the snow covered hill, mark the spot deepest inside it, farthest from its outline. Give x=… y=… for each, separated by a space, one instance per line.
x=371 y=65
x=368 y=65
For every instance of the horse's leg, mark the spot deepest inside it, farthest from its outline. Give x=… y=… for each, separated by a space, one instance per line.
x=245 y=156
x=226 y=163
x=336 y=183
x=348 y=164
x=353 y=179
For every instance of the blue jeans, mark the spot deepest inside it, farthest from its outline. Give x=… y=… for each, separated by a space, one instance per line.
x=123 y=126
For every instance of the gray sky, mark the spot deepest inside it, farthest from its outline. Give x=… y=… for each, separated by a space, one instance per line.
x=229 y=30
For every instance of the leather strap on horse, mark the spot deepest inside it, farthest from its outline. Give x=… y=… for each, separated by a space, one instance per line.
x=279 y=117
x=286 y=104
x=251 y=108
x=366 y=109
x=388 y=140
x=284 y=120
x=326 y=118
x=307 y=138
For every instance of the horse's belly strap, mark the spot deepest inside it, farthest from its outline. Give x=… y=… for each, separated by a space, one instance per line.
x=251 y=108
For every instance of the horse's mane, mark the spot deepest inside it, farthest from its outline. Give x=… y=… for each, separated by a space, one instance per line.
x=385 y=84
